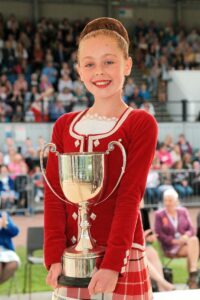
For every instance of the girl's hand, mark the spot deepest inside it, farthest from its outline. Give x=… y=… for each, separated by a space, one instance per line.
x=54 y=272
x=103 y=281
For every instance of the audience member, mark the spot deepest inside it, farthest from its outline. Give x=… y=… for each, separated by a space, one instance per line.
x=180 y=180
x=164 y=155
x=176 y=234
x=154 y=263
x=9 y=260
x=7 y=191
x=184 y=145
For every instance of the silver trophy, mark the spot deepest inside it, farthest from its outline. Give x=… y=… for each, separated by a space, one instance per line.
x=82 y=178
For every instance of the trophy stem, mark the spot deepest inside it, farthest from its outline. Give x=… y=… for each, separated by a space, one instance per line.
x=85 y=242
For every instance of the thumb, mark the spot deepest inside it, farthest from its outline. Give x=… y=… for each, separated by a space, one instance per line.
x=52 y=278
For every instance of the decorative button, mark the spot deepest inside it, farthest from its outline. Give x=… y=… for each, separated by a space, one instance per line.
x=96 y=143
x=125 y=261
x=123 y=269
x=77 y=143
x=74 y=216
x=127 y=252
x=93 y=216
x=73 y=239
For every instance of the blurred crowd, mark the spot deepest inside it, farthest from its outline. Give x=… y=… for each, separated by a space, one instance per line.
x=176 y=165
x=20 y=173
x=39 y=80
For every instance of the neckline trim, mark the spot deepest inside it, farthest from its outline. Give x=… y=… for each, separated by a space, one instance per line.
x=113 y=129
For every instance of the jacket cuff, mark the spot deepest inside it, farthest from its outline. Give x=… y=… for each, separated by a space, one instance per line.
x=116 y=259
x=52 y=258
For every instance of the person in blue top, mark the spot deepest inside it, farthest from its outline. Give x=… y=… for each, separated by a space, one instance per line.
x=9 y=260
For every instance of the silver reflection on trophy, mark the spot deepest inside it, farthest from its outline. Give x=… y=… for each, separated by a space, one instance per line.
x=82 y=178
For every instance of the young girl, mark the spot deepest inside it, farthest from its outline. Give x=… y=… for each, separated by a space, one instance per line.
x=103 y=63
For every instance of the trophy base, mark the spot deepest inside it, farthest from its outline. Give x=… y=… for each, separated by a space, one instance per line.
x=73 y=282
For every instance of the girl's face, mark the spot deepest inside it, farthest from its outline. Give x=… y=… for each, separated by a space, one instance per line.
x=102 y=66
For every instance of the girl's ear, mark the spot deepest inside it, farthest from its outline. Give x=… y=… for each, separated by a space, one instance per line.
x=128 y=66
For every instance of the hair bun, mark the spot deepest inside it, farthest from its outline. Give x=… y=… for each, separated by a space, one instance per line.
x=106 y=23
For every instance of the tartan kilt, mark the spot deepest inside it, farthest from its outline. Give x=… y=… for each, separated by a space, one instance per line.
x=134 y=285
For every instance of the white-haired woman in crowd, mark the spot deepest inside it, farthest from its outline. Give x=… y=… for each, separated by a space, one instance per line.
x=176 y=234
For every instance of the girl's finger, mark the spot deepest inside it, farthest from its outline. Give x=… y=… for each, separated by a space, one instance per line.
x=91 y=286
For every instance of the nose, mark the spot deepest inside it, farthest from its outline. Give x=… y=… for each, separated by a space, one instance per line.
x=99 y=70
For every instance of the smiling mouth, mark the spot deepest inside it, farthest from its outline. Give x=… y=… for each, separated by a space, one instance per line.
x=102 y=83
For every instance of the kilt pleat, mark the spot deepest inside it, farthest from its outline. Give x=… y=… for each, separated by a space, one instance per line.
x=134 y=285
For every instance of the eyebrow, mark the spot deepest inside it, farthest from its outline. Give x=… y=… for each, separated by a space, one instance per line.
x=107 y=54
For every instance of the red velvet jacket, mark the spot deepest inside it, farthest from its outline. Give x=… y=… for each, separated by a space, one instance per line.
x=115 y=223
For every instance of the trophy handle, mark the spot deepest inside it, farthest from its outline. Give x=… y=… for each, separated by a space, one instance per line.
x=52 y=147
x=111 y=148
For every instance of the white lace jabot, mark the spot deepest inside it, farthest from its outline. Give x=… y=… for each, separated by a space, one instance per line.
x=94 y=124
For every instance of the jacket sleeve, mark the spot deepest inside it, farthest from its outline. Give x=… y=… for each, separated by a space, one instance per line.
x=54 y=208
x=163 y=237
x=140 y=153
x=190 y=229
x=11 y=229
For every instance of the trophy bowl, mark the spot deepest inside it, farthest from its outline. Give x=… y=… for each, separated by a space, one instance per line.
x=82 y=178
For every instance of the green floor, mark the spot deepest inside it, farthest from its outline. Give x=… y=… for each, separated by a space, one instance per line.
x=39 y=274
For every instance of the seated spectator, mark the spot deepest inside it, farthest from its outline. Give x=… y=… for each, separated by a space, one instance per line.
x=153 y=78
x=38 y=182
x=17 y=166
x=165 y=181
x=79 y=87
x=136 y=97
x=8 y=144
x=40 y=107
x=187 y=161
x=195 y=177
x=129 y=87
x=153 y=260
x=180 y=180
x=5 y=112
x=50 y=72
x=175 y=154
x=152 y=184
x=56 y=110
x=7 y=191
x=65 y=82
x=9 y=156
x=169 y=144
x=21 y=84
x=148 y=107
x=144 y=93
x=5 y=82
x=67 y=98
x=45 y=84
x=164 y=155
x=184 y=145
x=38 y=56
x=9 y=260
x=17 y=103
x=28 y=152
x=176 y=234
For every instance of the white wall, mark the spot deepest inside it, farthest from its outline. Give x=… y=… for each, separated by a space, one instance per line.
x=21 y=131
x=184 y=85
